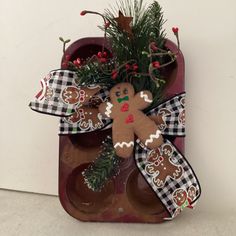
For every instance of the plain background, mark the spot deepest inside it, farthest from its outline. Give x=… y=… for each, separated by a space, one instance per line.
x=29 y=48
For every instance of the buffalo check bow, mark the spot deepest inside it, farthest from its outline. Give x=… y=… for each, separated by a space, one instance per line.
x=165 y=169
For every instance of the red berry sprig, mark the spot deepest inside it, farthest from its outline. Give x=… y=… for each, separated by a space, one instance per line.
x=133 y=67
x=102 y=57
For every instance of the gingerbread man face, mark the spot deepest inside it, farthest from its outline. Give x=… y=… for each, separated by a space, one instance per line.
x=125 y=109
x=161 y=167
x=81 y=95
x=121 y=93
x=192 y=193
x=72 y=95
x=180 y=197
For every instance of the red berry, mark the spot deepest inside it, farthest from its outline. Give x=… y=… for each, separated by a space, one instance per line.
x=135 y=67
x=99 y=54
x=82 y=13
x=105 y=54
x=127 y=66
x=156 y=64
x=77 y=62
x=114 y=74
x=102 y=56
x=107 y=24
x=175 y=30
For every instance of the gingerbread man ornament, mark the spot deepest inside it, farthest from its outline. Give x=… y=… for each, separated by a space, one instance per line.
x=125 y=109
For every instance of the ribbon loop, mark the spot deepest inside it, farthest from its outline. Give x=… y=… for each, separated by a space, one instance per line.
x=76 y=105
x=49 y=100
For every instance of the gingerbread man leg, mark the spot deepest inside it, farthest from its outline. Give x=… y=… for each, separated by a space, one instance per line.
x=147 y=131
x=123 y=140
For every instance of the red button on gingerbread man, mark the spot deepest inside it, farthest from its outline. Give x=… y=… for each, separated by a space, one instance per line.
x=125 y=109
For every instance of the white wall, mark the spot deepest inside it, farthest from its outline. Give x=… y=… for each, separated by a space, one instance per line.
x=29 y=48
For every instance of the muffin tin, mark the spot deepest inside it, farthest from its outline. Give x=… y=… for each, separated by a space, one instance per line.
x=127 y=197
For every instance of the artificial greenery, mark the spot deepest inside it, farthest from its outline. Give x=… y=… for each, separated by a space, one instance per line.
x=137 y=40
x=94 y=72
x=146 y=27
x=103 y=168
x=133 y=49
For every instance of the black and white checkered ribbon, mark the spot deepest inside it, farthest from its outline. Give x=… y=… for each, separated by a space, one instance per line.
x=49 y=101
x=166 y=189
x=66 y=127
x=171 y=122
x=172 y=112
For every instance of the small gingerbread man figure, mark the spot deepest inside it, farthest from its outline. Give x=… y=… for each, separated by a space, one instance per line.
x=161 y=167
x=125 y=109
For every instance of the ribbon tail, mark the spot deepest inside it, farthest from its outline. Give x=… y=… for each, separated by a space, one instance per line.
x=169 y=175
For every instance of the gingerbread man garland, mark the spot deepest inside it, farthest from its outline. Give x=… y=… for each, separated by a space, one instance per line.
x=125 y=109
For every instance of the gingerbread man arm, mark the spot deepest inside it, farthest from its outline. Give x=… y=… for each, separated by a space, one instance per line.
x=142 y=100
x=107 y=110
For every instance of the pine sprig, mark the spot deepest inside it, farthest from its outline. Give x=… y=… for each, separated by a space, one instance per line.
x=105 y=167
x=92 y=72
x=146 y=27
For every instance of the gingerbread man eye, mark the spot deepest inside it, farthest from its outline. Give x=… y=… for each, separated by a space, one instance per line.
x=125 y=91
x=118 y=94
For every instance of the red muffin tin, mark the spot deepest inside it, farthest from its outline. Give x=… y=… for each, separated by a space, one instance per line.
x=126 y=198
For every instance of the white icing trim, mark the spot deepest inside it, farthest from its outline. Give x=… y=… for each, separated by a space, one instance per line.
x=153 y=136
x=176 y=174
x=145 y=97
x=124 y=144
x=108 y=109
